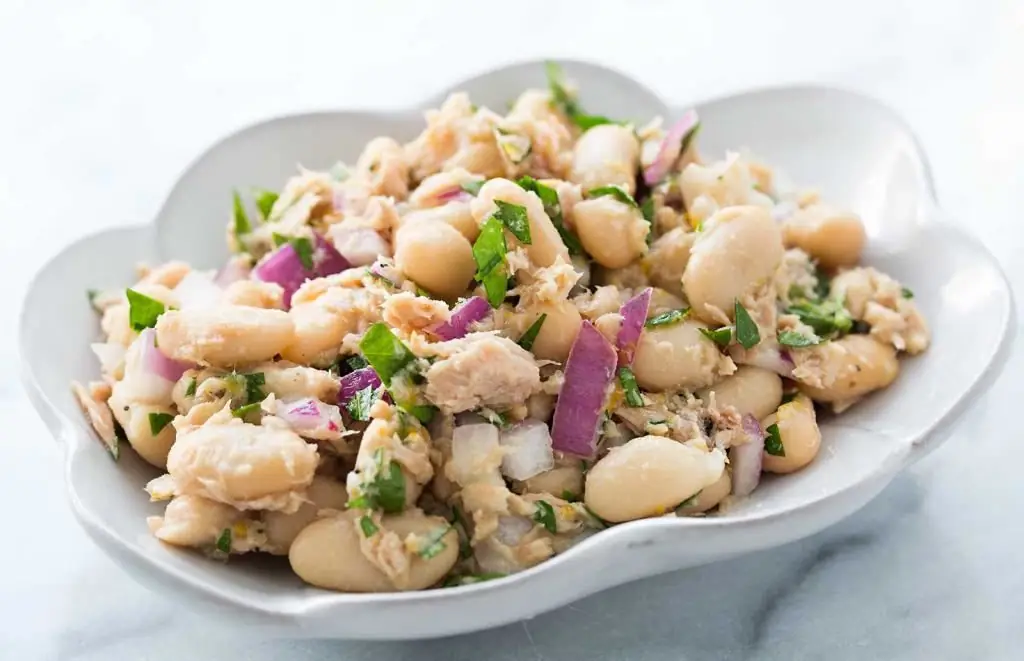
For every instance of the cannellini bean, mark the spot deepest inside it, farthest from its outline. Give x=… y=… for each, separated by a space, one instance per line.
x=649 y=476
x=749 y=389
x=738 y=251
x=865 y=364
x=801 y=438
x=193 y=521
x=675 y=357
x=668 y=258
x=324 y=493
x=612 y=232
x=558 y=332
x=255 y=294
x=133 y=416
x=834 y=238
x=224 y=336
x=327 y=553
x=243 y=465
x=726 y=183
x=608 y=154
x=457 y=214
x=435 y=256
x=709 y=496
x=322 y=319
x=560 y=481
x=479 y=157
x=546 y=244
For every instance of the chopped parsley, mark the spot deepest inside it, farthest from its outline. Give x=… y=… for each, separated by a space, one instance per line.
x=265 y=200
x=647 y=210
x=473 y=187
x=434 y=543
x=361 y=403
x=553 y=208
x=244 y=411
x=190 y=391
x=569 y=496
x=530 y=336
x=249 y=384
x=545 y=516
x=827 y=317
x=618 y=192
x=495 y=418
x=368 y=527
x=907 y=293
x=513 y=216
x=747 y=333
x=489 y=251
x=788 y=338
x=384 y=352
x=422 y=412
x=241 y=226
x=143 y=311
x=720 y=336
x=788 y=397
x=566 y=101
x=822 y=286
x=157 y=422
x=350 y=364
x=302 y=246
x=92 y=294
x=773 y=442
x=667 y=318
x=386 y=491
x=224 y=541
x=630 y=388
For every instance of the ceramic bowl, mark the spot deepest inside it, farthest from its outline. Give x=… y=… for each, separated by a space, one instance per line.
x=860 y=155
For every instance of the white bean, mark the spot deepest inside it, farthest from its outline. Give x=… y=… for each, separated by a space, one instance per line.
x=558 y=332
x=834 y=238
x=193 y=521
x=224 y=336
x=324 y=493
x=865 y=364
x=675 y=357
x=612 y=232
x=608 y=154
x=708 y=497
x=749 y=389
x=801 y=438
x=456 y=214
x=435 y=256
x=546 y=245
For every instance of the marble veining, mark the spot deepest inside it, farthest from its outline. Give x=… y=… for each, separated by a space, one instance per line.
x=106 y=102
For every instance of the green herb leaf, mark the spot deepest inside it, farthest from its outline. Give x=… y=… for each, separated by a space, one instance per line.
x=827 y=317
x=242 y=225
x=788 y=397
x=530 y=336
x=647 y=210
x=618 y=192
x=422 y=412
x=387 y=490
x=367 y=525
x=386 y=353
x=190 y=391
x=788 y=338
x=92 y=294
x=822 y=285
x=244 y=411
x=553 y=208
x=143 y=311
x=361 y=403
x=489 y=251
x=224 y=541
x=907 y=293
x=747 y=333
x=667 y=318
x=473 y=187
x=692 y=500
x=265 y=200
x=253 y=384
x=720 y=336
x=513 y=216
x=773 y=442
x=630 y=388
x=434 y=543
x=113 y=445
x=157 y=422
x=545 y=516
x=559 y=94
x=303 y=247
x=569 y=496
x=590 y=121
x=495 y=418
x=355 y=362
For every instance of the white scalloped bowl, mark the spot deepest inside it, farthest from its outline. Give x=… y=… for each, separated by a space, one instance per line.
x=858 y=152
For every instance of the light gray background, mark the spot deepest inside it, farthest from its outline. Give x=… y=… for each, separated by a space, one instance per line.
x=103 y=103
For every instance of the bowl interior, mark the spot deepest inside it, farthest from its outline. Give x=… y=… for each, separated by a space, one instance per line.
x=858 y=153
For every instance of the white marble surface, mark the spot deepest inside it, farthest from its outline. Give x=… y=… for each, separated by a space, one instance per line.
x=104 y=102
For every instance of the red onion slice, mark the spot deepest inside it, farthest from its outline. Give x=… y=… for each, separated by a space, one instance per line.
x=671 y=147
x=285 y=267
x=154 y=361
x=469 y=311
x=308 y=416
x=745 y=459
x=634 y=316
x=588 y=371
x=355 y=381
x=453 y=194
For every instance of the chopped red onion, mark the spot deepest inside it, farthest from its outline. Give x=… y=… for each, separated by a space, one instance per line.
x=454 y=194
x=671 y=147
x=153 y=361
x=512 y=529
x=465 y=313
x=285 y=267
x=634 y=316
x=355 y=381
x=527 y=448
x=310 y=417
x=588 y=371
x=746 y=458
x=474 y=448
